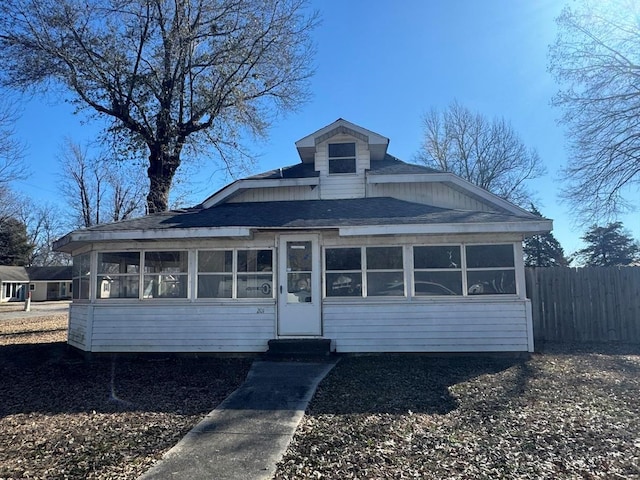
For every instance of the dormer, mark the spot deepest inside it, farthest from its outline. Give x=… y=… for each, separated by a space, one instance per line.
x=342 y=153
x=342 y=148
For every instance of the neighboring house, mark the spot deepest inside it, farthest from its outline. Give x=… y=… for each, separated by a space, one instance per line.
x=49 y=283
x=14 y=282
x=350 y=244
x=44 y=283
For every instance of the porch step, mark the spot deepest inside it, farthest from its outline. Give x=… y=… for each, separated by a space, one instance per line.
x=308 y=347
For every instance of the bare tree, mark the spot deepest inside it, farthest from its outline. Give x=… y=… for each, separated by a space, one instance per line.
x=485 y=152
x=167 y=73
x=11 y=149
x=596 y=56
x=98 y=190
x=43 y=228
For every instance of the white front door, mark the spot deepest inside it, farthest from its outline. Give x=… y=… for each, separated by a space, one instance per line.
x=299 y=286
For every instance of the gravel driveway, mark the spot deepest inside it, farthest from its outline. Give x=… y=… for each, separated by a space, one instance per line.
x=38 y=309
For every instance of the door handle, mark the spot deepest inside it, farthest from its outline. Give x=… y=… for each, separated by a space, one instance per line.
x=280 y=289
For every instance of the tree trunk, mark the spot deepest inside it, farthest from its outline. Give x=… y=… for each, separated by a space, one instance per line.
x=162 y=168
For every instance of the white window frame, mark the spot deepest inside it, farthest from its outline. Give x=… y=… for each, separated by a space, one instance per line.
x=354 y=158
x=235 y=274
x=364 y=271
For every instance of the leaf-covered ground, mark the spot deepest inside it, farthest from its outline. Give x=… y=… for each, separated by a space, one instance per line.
x=563 y=414
x=108 y=418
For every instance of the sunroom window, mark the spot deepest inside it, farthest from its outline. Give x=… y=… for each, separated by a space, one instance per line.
x=385 y=272
x=118 y=275
x=215 y=274
x=381 y=267
x=437 y=270
x=80 y=273
x=235 y=274
x=490 y=269
x=342 y=158
x=165 y=274
x=255 y=274
x=343 y=272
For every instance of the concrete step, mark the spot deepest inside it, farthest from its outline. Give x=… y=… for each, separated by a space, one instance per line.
x=313 y=347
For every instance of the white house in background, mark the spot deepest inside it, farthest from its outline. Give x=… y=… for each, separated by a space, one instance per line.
x=14 y=283
x=49 y=283
x=350 y=244
x=44 y=283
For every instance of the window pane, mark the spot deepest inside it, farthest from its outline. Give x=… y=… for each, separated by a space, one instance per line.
x=299 y=256
x=342 y=150
x=215 y=261
x=385 y=284
x=165 y=262
x=344 y=284
x=215 y=286
x=436 y=257
x=119 y=262
x=384 y=258
x=84 y=287
x=298 y=287
x=75 y=288
x=117 y=287
x=483 y=256
x=165 y=286
x=438 y=283
x=342 y=165
x=255 y=286
x=255 y=260
x=81 y=265
x=491 y=282
x=343 y=259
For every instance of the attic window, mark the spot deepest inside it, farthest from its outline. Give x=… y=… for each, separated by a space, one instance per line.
x=342 y=158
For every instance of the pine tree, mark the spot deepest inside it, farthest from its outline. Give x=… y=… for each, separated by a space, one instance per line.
x=543 y=250
x=15 y=248
x=609 y=246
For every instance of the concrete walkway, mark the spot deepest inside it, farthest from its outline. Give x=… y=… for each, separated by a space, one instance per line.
x=247 y=434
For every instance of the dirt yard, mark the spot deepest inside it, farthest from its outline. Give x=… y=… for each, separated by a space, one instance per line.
x=564 y=414
x=109 y=418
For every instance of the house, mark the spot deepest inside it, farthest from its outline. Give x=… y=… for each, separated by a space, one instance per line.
x=44 y=283
x=349 y=244
x=49 y=283
x=14 y=282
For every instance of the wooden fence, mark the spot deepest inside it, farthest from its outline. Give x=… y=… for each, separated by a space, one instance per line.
x=596 y=304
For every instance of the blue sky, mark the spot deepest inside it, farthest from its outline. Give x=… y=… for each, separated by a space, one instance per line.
x=382 y=64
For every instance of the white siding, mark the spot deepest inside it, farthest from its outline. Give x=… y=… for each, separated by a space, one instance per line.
x=277 y=194
x=79 y=333
x=184 y=327
x=465 y=326
x=429 y=193
x=342 y=185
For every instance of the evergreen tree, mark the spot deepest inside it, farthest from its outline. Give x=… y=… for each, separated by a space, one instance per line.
x=543 y=250
x=609 y=246
x=15 y=248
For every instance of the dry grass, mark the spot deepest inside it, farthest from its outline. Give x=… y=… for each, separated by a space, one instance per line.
x=109 y=418
x=558 y=415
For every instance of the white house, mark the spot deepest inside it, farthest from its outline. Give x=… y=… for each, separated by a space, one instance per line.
x=350 y=244
x=14 y=282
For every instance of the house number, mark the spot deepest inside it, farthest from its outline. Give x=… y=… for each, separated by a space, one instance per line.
x=260 y=310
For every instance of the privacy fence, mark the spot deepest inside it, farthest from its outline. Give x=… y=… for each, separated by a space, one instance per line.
x=595 y=304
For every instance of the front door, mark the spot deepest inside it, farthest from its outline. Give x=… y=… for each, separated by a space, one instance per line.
x=299 y=286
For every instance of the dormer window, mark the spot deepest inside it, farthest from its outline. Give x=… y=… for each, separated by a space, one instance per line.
x=342 y=158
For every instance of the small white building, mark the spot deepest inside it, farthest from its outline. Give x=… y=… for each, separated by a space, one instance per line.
x=14 y=283
x=350 y=244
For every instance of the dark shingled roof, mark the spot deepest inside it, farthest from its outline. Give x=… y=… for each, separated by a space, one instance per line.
x=51 y=274
x=389 y=166
x=13 y=274
x=308 y=214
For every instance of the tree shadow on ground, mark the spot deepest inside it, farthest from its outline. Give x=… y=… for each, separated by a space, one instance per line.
x=55 y=378
x=400 y=383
